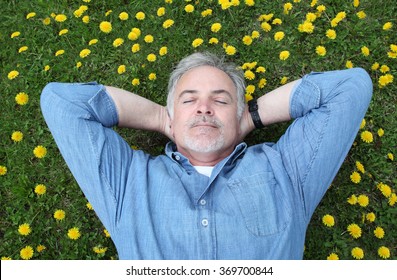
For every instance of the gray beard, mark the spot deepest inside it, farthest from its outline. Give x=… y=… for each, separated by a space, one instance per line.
x=207 y=144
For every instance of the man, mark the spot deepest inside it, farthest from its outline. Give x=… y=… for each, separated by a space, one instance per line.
x=210 y=196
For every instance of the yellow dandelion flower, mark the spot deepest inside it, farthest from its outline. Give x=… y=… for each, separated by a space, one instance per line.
x=17 y=136
x=215 y=27
x=387 y=26
x=30 y=15
x=287 y=7
x=23 y=49
x=370 y=217
x=121 y=69
x=40 y=151
x=361 y=15
x=74 y=233
x=255 y=34
x=385 y=190
x=79 y=64
x=206 y=13
x=78 y=13
x=213 y=41
x=92 y=42
x=367 y=136
x=266 y=26
x=354 y=230
x=333 y=257
x=100 y=250
x=260 y=69
x=379 y=232
x=331 y=34
x=352 y=200
x=356 y=3
x=250 y=89
x=40 y=189
x=105 y=26
x=247 y=40
x=123 y=16
x=363 y=123
x=149 y=38
x=230 y=50
x=63 y=32
x=135 y=48
x=163 y=51
x=12 y=74
x=15 y=34
x=59 y=52
x=22 y=98
x=84 y=53
x=3 y=170
x=26 y=253
x=152 y=76
x=365 y=51
x=363 y=200
x=40 y=248
x=135 y=82
x=381 y=132
x=392 y=199
x=384 y=68
x=197 y=42
x=357 y=253
x=108 y=13
x=59 y=215
x=375 y=66
x=24 y=229
x=278 y=36
x=168 y=23
x=262 y=83
x=250 y=3
x=160 y=11
x=390 y=156
x=306 y=27
x=249 y=75
x=118 y=42
x=284 y=55
x=277 y=21
x=355 y=177
x=89 y=206
x=328 y=220
x=6 y=258
x=283 y=80
x=189 y=8
x=360 y=167
x=85 y=19
x=384 y=252
x=60 y=18
x=385 y=80
x=349 y=64
x=151 y=57
x=321 y=50
x=106 y=232
x=140 y=15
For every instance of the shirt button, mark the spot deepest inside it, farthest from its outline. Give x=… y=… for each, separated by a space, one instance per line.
x=204 y=222
x=177 y=157
x=203 y=202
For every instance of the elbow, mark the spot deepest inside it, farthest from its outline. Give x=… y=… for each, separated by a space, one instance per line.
x=362 y=84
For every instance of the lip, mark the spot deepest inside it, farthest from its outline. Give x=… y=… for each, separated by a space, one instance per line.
x=205 y=125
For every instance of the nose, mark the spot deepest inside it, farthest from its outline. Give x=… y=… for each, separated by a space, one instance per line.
x=204 y=108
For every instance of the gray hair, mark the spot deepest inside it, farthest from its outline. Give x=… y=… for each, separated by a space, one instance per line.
x=207 y=59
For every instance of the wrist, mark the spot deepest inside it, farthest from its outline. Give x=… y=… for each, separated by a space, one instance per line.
x=254 y=112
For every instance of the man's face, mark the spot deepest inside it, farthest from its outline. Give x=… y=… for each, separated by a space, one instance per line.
x=205 y=114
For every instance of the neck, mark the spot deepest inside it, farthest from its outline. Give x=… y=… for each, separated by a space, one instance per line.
x=205 y=159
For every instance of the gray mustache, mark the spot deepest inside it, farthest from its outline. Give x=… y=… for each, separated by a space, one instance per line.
x=205 y=119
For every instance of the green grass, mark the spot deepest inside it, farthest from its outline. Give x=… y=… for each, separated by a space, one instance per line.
x=20 y=204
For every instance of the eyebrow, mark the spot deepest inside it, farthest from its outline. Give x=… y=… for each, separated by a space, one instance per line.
x=217 y=91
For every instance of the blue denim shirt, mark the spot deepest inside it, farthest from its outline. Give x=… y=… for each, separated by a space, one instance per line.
x=256 y=204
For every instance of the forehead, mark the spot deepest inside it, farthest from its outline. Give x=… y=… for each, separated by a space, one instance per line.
x=204 y=78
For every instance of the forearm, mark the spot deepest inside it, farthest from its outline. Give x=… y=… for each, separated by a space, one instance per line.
x=137 y=112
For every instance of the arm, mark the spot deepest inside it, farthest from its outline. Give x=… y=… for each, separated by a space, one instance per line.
x=137 y=112
x=273 y=107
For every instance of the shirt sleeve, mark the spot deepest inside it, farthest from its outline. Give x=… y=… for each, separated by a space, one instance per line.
x=80 y=117
x=328 y=108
